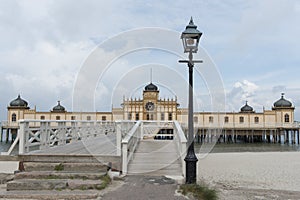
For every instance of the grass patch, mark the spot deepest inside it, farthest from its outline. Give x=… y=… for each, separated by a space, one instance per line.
x=199 y=192
x=106 y=180
x=59 y=167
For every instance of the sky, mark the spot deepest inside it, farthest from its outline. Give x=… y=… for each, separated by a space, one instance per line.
x=91 y=54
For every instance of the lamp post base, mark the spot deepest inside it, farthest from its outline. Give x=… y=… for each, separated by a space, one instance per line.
x=191 y=169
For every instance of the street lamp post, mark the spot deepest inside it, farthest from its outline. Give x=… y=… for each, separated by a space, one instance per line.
x=190 y=39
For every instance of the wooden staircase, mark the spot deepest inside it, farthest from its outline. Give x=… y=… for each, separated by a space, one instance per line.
x=156 y=157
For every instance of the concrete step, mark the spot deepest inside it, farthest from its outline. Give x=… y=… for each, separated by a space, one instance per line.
x=163 y=172
x=65 y=158
x=154 y=167
x=69 y=167
x=59 y=175
x=155 y=157
x=49 y=194
x=53 y=184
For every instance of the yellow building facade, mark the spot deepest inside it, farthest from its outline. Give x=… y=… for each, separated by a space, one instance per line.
x=246 y=122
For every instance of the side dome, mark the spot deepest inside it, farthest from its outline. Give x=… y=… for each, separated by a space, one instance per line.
x=282 y=103
x=151 y=87
x=18 y=102
x=247 y=108
x=58 y=108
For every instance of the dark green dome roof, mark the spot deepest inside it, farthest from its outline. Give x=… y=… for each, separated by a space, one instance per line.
x=282 y=102
x=18 y=102
x=58 y=108
x=151 y=87
x=246 y=108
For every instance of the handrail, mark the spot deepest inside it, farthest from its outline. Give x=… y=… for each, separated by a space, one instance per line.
x=181 y=142
x=129 y=144
x=11 y=148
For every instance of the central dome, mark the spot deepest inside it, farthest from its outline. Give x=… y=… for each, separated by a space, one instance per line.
x=151 y=87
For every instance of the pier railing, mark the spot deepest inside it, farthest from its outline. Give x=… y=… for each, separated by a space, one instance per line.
x=41 y=134
x=129 y=144
x=53 y=133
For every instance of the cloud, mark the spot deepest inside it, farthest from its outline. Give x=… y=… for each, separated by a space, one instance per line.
x=242 y=91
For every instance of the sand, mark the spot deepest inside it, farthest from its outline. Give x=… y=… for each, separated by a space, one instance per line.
x=261 y=175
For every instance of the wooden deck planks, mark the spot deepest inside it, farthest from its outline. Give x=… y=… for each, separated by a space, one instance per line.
x=101 y=145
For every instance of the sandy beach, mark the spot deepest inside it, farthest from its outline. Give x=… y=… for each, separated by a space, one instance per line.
x=259 y=175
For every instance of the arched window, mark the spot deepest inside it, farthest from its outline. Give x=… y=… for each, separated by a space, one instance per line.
x=42 y=117
x=137 y=116
x=210 y=119
x=286 y=118
x=226 y=119
x=13 y=117
x=241 y=119
x=170 y=118
x=162 y=116
x=57 y=117
x=195 y=119
x=256 y=120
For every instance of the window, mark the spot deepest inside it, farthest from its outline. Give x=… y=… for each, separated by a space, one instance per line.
x=162 y=116
x=286 y=118
x=137 y=116
x=42 y=117
x=57 y=117
x=13 y=117
x=103 y=118
x=129 y=116
x=196 y=119
x=170 y=117
x=226 y=119
x=88 y=118
x=73 y=118
x=256 y=120
x=241 y=119
x=149 y=116
x=210 y=119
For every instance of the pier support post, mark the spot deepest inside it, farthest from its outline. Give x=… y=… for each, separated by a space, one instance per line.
x=271 y=136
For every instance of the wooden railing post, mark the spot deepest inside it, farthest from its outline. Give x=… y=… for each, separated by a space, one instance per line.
x=124 y=158
x=60 y=133
x=43 y=135
x=22 y=137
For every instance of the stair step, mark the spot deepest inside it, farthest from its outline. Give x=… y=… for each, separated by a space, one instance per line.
x=154 y=157
x=49 y=195
x=154 y=167
x=161 y=172
x=53 y=184
x=66 y=158
x=59 y=175
x=70 y=167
